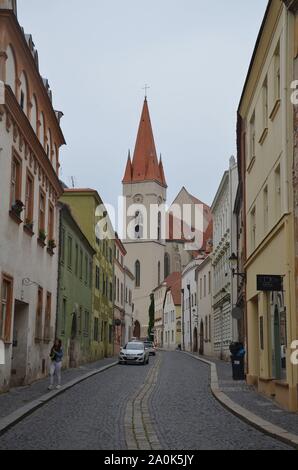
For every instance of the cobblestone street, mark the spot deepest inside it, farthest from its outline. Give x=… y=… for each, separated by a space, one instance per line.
x=166 y=405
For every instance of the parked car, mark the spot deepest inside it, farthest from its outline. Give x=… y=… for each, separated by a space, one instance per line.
x=149 y=346
x=134 y=353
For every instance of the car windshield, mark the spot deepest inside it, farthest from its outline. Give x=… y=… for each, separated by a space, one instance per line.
x=135 y=346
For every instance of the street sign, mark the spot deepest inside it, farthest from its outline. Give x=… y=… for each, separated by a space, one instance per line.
x=269 y=283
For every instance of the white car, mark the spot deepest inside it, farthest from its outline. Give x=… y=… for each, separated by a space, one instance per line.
x=134 y=353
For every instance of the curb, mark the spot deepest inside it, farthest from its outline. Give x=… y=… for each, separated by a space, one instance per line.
x=247 y=416
x=14 y=418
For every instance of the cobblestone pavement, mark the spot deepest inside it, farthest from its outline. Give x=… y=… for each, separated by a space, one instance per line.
x=247 y=397
x=88 y=416
x=188 y=417
x=18 y=397
x=172 y=408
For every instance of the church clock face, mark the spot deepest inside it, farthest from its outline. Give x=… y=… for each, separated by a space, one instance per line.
x=138 y=199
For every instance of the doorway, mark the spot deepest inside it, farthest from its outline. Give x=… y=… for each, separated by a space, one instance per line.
x=137 y=330
x=20 y=343
x=195 y=340
x=201 y=351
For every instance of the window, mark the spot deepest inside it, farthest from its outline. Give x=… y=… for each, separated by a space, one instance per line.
x=86 y=269
x=47 y=325
x=253 y=228
x=111 y=292
x=138 y=274
x=86 y=323
x=29 y=202
x=38 y=323
x=62 y=242
x=277 y=192
x=77 y=259
x=51 y=222
x=205 y=286
x=42 y=211
x=209 y=329
x=138 y=225
x=22 y=100
x=209 y=282
x=252 y=126
x=195 y=299
x=81 y=319
x=126 y=295
x=265 y=202
x=111 y=255
x=121 y=260
x=16 y=180
x=97 y=278
x=167 y=266
x=103 y=284
x=90 y=274
x=6 y=309
x=107 y=286
x=69 y=252
x=96 y=329
x=63 y=317
x=122 y=294
x=277 y=73
x=81 y=264
x=206 y=329
x=158 y=273
x=201 y=288
x=159 y=227
x=130 y=297
x=265 y=104
x=110 y=334
x=172 y=336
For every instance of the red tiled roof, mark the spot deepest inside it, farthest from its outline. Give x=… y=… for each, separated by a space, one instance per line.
x=174 y=284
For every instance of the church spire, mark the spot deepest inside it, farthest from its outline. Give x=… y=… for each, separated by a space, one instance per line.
x=128 y=171
x=145 y=165
x=162 y=173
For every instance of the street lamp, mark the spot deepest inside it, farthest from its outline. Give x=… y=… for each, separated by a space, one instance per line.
x=234 y=265
x=190 y=322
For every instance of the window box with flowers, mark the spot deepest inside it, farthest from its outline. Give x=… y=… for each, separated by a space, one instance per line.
x=28 y=227
x=42 y=238
x=16 y=211
x=51 y=247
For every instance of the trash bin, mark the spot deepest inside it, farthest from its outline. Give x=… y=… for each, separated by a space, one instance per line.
x=237 y=358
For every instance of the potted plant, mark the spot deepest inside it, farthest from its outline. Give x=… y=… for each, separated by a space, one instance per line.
x=51 y=245
x=18 y=207
x=42 y=235
x=29 y=224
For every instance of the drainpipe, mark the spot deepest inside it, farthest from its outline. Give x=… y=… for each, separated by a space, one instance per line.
x=285 y=114
x=59 y=230
x=190 y=320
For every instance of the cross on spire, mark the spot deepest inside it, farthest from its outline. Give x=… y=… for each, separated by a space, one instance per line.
x=146 y=88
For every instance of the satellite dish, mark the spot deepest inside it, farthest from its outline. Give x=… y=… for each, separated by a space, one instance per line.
x=237 y=313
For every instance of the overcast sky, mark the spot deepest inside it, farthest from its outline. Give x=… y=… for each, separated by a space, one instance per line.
x=98 y=55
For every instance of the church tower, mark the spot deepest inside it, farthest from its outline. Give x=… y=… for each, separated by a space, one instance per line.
x=144 y=190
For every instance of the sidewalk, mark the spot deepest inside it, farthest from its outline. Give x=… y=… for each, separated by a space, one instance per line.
x=252 y=406
x=19 y=397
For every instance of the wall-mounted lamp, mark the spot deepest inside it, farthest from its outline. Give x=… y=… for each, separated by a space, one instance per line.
x=234 y=264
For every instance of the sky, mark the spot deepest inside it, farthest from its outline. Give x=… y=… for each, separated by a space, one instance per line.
x=99 y=54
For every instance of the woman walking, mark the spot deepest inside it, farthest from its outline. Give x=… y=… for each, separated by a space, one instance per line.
x=56 y=356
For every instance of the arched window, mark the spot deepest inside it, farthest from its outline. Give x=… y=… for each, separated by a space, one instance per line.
x=33 y=117
x=11 y=69
x=139 y=225
x=23 y=99
x=42 y=129
x=49 y=145
x=167 y=266
x=158 y=273
x=159 y=226
x=138 y=274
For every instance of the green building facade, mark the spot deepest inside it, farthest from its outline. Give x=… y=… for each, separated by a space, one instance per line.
x=75 y=281
x=84 y=204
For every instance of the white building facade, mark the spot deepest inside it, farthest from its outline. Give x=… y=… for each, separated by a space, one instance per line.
x=225 y=328
x=29 y=164
x=205 y=312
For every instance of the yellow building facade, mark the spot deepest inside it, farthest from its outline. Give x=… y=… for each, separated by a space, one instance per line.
x=267 y=116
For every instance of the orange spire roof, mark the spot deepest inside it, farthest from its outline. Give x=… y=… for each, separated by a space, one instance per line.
x=162 y=173
x=128 y=172
x=145 y=166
